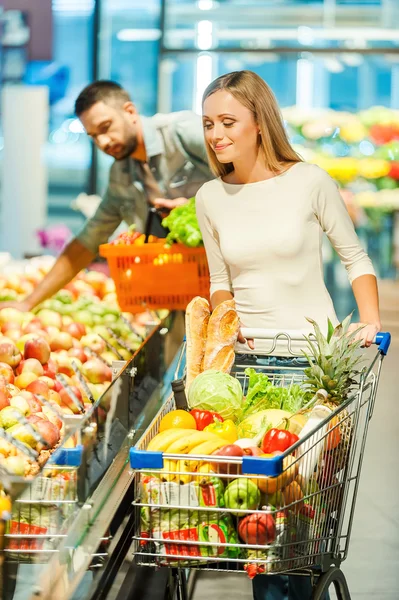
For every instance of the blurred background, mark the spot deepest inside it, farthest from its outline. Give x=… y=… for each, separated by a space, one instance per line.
x=333 y=65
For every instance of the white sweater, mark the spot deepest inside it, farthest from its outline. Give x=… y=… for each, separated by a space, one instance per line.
x=263 y=243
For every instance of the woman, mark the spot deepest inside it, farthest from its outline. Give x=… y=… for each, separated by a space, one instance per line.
x=262 y=221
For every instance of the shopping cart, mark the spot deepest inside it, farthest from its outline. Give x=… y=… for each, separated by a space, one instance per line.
x=287 y=514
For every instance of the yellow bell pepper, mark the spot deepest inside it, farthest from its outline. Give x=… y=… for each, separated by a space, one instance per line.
x=226 y=430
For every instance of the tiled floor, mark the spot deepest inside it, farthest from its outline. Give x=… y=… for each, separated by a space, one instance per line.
x=372 y=567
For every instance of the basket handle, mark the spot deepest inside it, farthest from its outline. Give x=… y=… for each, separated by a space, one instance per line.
x=382 y=339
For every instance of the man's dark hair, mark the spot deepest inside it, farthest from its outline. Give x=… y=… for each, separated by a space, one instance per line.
x=100 y=91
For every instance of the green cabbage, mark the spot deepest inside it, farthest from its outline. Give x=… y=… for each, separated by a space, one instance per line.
x=218 y=392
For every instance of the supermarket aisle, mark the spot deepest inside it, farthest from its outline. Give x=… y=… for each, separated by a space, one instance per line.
x=371 y=568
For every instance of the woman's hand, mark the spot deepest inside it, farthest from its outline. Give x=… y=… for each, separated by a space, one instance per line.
x=366 y=332
x=242 y=340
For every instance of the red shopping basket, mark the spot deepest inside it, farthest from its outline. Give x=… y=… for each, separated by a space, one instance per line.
x=154 y=276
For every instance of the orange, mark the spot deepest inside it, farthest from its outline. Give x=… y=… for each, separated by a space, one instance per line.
x=177 y=419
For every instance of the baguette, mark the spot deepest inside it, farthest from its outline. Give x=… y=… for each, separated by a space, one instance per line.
x=223 y=328
x=197 y=317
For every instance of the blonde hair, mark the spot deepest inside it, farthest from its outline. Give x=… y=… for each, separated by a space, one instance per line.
x=253 y=93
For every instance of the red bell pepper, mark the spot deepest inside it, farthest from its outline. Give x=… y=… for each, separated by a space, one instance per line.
x=278 y=440
x=203 y=418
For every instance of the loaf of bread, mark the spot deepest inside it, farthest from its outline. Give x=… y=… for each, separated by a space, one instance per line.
x=197 y=317
x=222 y=335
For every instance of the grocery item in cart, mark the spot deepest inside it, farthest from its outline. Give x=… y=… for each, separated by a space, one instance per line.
x=197 y=318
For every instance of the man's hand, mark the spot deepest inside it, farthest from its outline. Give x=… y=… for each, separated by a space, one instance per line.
x=169 y=204
x=21 y=306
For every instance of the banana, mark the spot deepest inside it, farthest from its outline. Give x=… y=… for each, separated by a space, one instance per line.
x=184 y=470
x=162 y=440
x=169 y=465
x=188 y=442
x=208 y=447
x=205 y=474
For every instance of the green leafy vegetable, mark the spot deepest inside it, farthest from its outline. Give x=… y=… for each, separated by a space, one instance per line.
x=218 y=392
x=183 y=225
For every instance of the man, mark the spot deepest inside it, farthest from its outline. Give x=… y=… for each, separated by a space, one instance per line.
x=160 y=162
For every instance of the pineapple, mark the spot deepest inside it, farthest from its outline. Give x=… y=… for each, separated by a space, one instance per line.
x=333 y=363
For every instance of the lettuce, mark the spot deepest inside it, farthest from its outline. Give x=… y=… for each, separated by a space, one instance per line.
x=183 y=225
x=216 y=391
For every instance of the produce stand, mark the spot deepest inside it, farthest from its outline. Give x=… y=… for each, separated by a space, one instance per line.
x=88 y=519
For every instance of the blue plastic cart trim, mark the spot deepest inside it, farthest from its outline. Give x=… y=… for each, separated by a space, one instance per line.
x=144 y=459
x=271 y=467
x=67 y=457
x=383 y=340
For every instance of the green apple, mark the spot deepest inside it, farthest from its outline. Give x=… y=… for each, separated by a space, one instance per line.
x=110 y=318
x=9 y=416
x=15 y=465
x=83 y=316
x=103 y=331
x=242 y=494
x=23 y=434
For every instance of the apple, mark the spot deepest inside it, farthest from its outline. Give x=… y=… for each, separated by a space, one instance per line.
x=14 y=335
x=65 y=365
x=67 y=401
x=8 y=326
x=78 y=353
x=257 y=529
x=12 y=389
x=97 y=281
x=34 y=404
x=54 y=397
x=49 y=432
x=50 y=369
x=37 y=348
x=34 y=418
x=253 y=451
x=96 y=371
x=7 y=372
x=94 y=342
x=21 y=403
x=76 y=330
x=66 y=320
x=30 y=365
x=242 y=494
x=33 y=326
x=39 y=387
x=4 y=401
x=61 y=341
x=8 y=315
x=50 y=382
x=52 y=417
x=85 y=317
x=50 y=318
x=15 y=465
x=24 y=380
x=9 y=353
x=9 y=416
x=228 y=468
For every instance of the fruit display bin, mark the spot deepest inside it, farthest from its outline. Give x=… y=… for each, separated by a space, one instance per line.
x=155 y=276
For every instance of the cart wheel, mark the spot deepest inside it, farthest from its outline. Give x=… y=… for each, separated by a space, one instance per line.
x=333 y=576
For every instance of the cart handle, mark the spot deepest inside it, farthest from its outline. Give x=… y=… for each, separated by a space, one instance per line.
x=382 y=339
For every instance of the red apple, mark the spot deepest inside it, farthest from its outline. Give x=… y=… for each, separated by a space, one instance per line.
x=54 y=397
x=34 y=403
x=67 y=401
x=65 y=365
x=39 y=387
x=50 y=382
x=8 y=326
x=53 y=417
x=228 y=468
x=9 y=353
x=76 y=330
x=37 y=348
x=50 y=369
x=24 y=380
x=78 y=353
x=4 y=401
x=30 y=365
x=96 y=371
x=7 y=372
x=33 y=326
x=61 y=341
x=49 y=432
x=253 y=451
x=34 y=418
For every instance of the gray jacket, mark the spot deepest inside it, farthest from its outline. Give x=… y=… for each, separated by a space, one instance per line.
x=177 y=157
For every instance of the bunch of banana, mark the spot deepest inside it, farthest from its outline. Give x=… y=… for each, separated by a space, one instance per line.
x=184 y=441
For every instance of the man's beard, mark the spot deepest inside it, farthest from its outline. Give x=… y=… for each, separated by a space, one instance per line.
x=129 y=148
